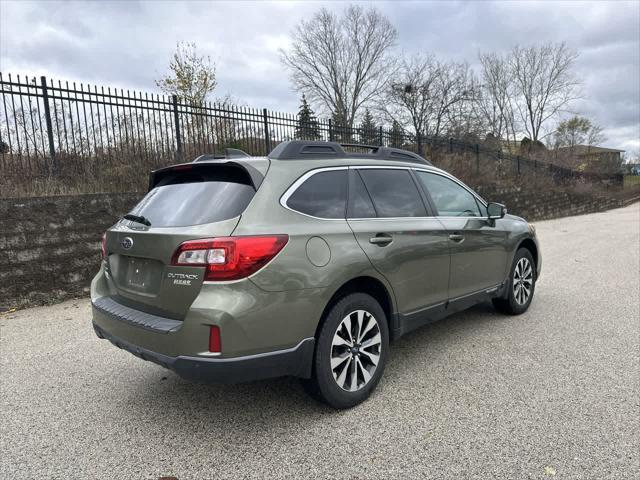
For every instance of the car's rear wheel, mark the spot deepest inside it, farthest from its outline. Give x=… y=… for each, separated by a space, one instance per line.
x=522 y=283
x=351 y=352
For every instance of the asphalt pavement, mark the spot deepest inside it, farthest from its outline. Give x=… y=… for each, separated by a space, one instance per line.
x=553 y=393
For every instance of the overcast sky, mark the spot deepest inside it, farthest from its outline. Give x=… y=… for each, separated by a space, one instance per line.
x=128 y=44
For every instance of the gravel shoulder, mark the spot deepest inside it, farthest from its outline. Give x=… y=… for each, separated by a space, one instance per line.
x=551 y=393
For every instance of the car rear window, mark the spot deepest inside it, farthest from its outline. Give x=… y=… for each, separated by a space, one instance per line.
x=322 y=195
x=197 y=196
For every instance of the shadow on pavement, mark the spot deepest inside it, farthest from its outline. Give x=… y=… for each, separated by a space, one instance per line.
x=162 y=397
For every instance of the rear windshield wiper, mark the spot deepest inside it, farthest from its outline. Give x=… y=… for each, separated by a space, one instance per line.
x=137 y=219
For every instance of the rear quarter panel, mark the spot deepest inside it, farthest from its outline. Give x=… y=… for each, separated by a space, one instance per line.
x=293 y=269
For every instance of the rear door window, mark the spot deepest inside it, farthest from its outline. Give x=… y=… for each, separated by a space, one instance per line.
x=393 y=192
x=198 y=196
x=323 y=195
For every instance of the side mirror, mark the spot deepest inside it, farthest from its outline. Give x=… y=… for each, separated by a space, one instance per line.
x=496 y=211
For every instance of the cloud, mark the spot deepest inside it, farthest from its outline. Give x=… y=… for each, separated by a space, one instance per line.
x=129 y=44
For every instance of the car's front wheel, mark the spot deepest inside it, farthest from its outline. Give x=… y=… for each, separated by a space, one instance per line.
x=351 y=352
x=521 y=285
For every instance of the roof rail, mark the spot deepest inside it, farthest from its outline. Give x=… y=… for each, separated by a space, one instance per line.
x=228 y=153
x=307 y=149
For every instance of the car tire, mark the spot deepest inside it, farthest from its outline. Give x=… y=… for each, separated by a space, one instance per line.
x=521 y=285
x=348 y=362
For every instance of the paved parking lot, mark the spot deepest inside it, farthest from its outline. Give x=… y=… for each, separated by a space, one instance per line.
x=553 y=393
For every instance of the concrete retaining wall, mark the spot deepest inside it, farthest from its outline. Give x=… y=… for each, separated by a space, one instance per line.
x=535 y=205
x=50 y=246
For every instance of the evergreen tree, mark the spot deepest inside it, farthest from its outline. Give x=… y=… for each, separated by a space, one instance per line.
x=307 y=127
x=341 y=133
x=369 y=134
x=396 y=135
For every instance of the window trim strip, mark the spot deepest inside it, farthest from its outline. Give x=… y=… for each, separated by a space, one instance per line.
x=294 y=186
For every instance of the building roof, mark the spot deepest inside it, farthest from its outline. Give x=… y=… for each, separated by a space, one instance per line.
x=589 y=150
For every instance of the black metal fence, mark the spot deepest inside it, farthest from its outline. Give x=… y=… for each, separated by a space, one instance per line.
x=99 y=139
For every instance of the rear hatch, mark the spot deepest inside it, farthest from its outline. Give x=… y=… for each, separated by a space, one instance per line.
x=185 y=202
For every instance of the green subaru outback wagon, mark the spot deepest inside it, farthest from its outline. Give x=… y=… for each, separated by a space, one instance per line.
x=307 y=263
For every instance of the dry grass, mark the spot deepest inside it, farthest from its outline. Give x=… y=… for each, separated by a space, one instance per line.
x=120 y=171
x=632 y=181
x=127 y=169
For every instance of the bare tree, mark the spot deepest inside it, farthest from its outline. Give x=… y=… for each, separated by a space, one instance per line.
x=464 y=119
x=428 y=97
x=454 y=87
x=496 y=96
x=545 y=84
x=192 y=77
x=410 y=100
x=341 y=63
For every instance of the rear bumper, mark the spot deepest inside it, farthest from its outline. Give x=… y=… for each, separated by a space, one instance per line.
x=295 y=362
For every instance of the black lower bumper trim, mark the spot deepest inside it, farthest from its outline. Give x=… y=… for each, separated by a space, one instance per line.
x=294 y=362
x=109 y=306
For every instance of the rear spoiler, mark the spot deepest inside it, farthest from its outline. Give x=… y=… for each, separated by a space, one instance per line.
x=156 y=176
x=228 y=154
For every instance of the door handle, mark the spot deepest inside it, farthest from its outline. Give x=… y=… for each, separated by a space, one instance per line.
x=381 y=240
x=456 y=237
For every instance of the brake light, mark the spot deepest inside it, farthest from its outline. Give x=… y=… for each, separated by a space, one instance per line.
x=215 y=345
x=229 y=258
x=104 y=245
x=181 y=168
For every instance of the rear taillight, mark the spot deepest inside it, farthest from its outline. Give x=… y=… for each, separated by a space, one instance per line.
x=215 y=343
x=104 y=245
x=229 y=258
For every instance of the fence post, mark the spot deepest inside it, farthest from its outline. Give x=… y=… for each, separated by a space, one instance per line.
x=267 y=138
x=518 y=159
x=330 y=131
x=47 y=115
x=381 y=138
x=419 y=142
x=477 y=158
x=450 y=145
x=176 y=120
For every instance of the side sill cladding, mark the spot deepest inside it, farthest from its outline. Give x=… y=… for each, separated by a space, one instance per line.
x=412 y=321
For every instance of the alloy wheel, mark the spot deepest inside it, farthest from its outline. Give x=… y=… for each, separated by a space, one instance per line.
x=522 y=281
x=355 y=350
